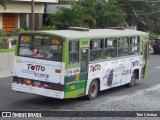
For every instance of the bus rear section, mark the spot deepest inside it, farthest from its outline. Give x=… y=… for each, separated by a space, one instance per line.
x=38 y=66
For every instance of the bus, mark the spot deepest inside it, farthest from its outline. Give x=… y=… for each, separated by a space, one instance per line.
x=79 y=61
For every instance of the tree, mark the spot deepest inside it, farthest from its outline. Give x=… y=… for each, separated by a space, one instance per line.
x=3 y=3
x=89 y=13
x=143 y=14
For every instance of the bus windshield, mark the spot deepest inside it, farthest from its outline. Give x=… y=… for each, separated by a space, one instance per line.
x=41 y=46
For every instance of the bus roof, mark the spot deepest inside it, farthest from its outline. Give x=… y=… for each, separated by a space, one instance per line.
x=93 y=33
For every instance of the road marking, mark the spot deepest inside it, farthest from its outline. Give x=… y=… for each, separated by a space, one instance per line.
x=157 y=67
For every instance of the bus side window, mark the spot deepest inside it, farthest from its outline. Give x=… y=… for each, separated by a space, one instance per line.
x=134 y=45
x=110 y=48
x=123 y=46
x=96 y=51
x=73 y=52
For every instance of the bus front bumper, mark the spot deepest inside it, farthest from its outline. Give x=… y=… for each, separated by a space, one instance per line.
x=38 y=91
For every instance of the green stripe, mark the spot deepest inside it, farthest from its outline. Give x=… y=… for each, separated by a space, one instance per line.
x=68 y=79
x=83 y=76
x=74 y=94
x=82 y=84
x=68 y=87
x=75 y=89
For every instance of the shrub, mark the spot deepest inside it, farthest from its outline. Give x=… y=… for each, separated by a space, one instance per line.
x=14 y=32
x=48 y=27
x=14 y=41
x=153 y=36
x=4 y=43
x=20 y=30
x=2 y=33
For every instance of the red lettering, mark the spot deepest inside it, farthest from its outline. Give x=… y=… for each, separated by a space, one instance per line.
x=32 y=67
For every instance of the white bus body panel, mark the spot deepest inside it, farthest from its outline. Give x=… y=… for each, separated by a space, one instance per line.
x=113 y=73
x=38 y=91
x=37 y=69
x=40 y=70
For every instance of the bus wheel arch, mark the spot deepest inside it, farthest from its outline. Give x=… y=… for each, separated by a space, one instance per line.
x=136 y=71
x=134 y=77
x=94 y=88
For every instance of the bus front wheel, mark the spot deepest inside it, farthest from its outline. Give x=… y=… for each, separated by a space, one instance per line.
x=93 y=90
x=133 y=80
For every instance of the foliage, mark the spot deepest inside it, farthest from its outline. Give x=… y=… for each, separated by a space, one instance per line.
x=14 y=41
x=2 y=33
x=3 y=3
x=15 y=32
x=21 y=30
x=153 y=36
x=143 y=14
x=89 y=13
x=48 y=27
x=6 y=50
x=4 y=43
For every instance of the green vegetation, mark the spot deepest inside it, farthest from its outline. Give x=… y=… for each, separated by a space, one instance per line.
x=50 y=27
x=6 y=50
x=2 y=34
x=114 y=13
x=4 y=43
x=3 y=3
x=89 y=13
x=153 y=36
x=144 y=14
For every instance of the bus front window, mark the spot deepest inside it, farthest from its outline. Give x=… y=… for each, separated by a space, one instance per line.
x=43 y=47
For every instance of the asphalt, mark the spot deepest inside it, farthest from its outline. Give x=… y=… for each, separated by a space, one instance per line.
x=6 y=72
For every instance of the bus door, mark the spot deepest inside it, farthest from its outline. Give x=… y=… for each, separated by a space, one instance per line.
x=83 y=69
x=84 y=60
x=145 y=53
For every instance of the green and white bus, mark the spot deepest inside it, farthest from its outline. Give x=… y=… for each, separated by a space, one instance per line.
x=79 y=62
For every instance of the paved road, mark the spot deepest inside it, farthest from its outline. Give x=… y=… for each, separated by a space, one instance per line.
x=143 y=96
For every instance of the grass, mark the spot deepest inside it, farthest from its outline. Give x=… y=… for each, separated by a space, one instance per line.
x=6 y=50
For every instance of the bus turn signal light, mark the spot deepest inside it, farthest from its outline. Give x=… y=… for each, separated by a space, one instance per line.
x=57 y=71
x=27 y=81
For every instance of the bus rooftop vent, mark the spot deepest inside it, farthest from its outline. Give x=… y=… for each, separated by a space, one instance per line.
x=79 y=28
x=117 y=28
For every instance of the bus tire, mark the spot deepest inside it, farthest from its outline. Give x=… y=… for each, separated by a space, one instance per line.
x=133 y=80
x=93 y=90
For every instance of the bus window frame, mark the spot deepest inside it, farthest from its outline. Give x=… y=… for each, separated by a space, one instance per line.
x=102 y=48
x=138 y=45
x=78 y=63
x=106 y=47
x=118 y=39
x=32 y=42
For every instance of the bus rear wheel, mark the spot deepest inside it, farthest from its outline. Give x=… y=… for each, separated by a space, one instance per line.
x=93 y=90
x=133 y=80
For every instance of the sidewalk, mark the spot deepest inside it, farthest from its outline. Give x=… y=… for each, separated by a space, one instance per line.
x=6 y=72
x=6 y=64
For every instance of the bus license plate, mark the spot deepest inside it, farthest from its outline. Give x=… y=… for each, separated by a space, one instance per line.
x=36 y=83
